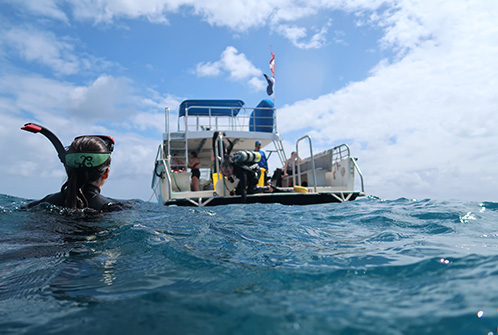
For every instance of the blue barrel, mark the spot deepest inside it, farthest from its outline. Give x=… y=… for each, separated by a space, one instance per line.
x=262 y=118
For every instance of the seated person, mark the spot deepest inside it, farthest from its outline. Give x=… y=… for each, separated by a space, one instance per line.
x=289 y=163
x=177 y=165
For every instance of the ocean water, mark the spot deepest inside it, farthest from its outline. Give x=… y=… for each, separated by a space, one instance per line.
x=365 y=267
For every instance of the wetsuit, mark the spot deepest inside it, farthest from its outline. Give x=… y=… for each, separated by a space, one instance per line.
x=248 y=176
x=92 y=195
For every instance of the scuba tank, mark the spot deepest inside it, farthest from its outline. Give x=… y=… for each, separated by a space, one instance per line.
x=245 y=157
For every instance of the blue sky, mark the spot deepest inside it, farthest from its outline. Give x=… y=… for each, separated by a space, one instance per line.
x=409 y=85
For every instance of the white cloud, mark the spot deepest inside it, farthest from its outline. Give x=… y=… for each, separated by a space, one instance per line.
x=424 y=125
x=236 y=64
x=70 y=110
x=257 y=84
x=47 y=8
x=237 y=15
x=106 y=11
x=105 y=98
x=297 y=34
x=209 y=69
x=44 y=48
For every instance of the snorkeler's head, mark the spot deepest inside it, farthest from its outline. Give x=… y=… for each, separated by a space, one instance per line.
x=88 y=161
x=89 y=152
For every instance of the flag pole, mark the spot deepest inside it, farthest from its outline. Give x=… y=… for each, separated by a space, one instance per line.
x=272 y=69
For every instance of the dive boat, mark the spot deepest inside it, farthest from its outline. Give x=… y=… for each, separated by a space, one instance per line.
x=328 y=176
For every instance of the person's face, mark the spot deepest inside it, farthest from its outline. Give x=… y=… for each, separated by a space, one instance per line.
x=227 y=171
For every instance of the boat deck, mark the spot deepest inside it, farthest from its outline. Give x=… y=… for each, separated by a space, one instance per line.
x=284 y=198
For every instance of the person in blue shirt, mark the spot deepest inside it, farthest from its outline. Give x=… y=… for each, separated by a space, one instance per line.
x=263 y=163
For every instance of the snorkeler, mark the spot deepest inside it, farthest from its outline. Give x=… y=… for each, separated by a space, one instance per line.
x=87 y=162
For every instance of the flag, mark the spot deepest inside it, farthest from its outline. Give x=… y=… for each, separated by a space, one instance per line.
x=271 y=83
x=272 y=65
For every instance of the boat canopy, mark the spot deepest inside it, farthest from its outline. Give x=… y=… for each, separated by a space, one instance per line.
x=211 y=107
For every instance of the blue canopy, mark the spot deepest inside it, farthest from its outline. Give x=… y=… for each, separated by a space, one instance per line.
x=201 y=107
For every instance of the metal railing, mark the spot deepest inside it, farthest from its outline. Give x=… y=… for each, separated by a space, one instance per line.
x=299 y=163
x=340 y=152
x=164 y=163
x=238 y=121
x=218 y=148
x=359 y=173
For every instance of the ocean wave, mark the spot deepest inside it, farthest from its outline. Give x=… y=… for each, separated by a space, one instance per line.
x=371 y=266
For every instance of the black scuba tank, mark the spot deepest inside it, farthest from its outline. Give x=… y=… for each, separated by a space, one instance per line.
x=245 y=157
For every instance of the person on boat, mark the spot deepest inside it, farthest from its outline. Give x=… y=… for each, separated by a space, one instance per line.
x=87 y=164
x=263 y=162
x=289 y=163
x=248 y=177
x=194 y=165
x=243 y=166
x=176 y=164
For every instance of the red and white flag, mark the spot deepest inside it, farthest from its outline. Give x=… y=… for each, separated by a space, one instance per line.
x=272 y=64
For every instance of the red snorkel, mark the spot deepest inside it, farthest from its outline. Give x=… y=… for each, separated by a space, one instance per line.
x=34 y=128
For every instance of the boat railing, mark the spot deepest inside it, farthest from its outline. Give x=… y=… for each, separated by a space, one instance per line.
x=161 y=168
x=359 y=173
x=312 y=158
x=323 y=161
x=340 y=153
x=233 y=119
x=218 y=158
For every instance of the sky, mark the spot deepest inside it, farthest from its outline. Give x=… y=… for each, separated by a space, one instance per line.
x=410 y=85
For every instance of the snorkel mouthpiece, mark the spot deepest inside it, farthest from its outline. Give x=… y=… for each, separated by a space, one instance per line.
x=31 y=127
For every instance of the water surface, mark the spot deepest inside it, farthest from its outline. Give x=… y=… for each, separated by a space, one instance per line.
x=364 y=267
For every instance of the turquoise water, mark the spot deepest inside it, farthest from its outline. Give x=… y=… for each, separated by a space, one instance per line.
x=363 y=267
